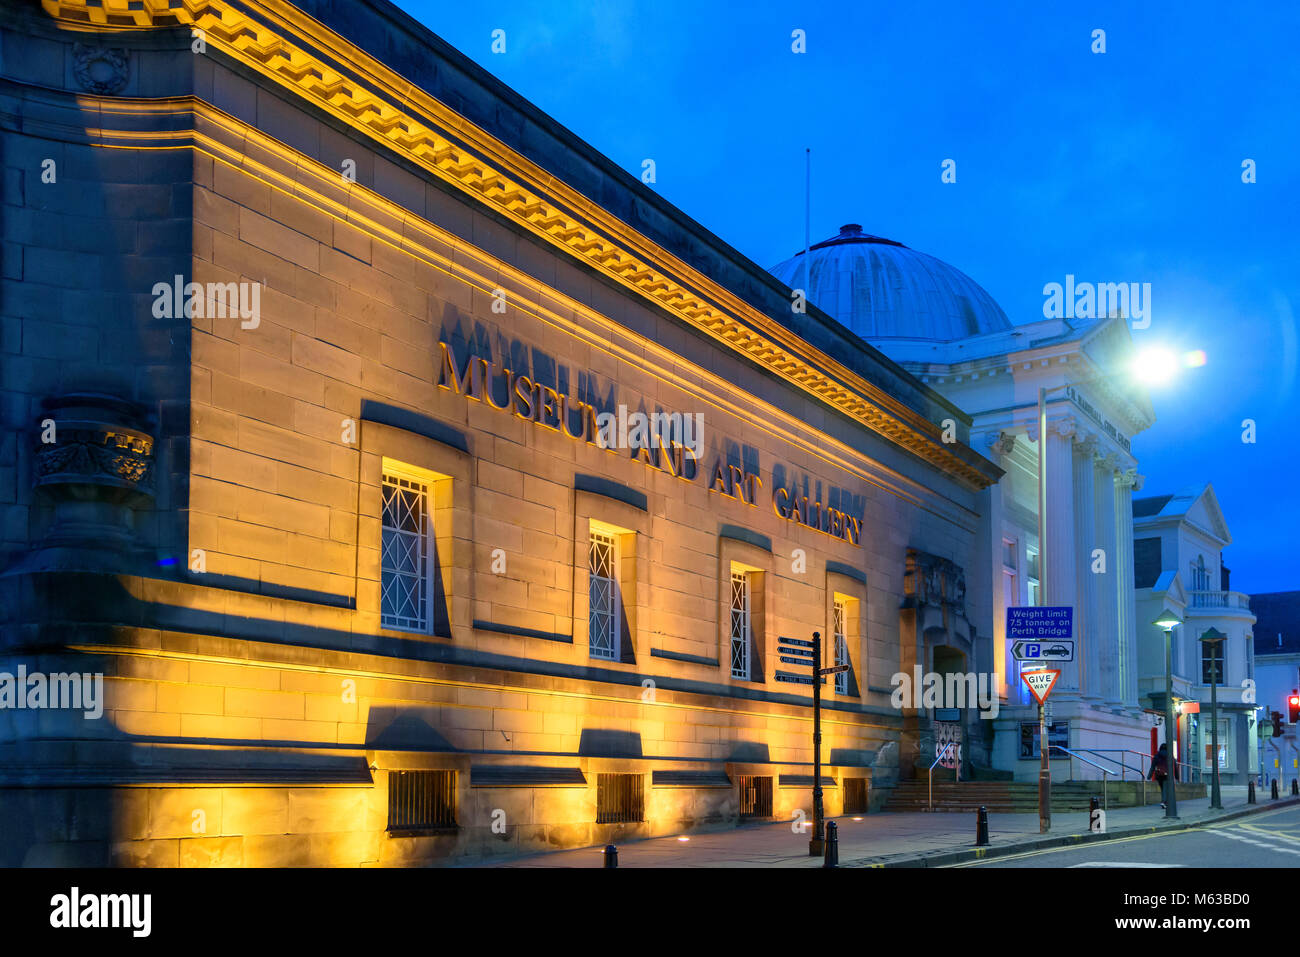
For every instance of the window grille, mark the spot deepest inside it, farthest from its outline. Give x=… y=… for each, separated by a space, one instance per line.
x=755 y=797
x=602 y=621
x=620 y=798
x=404 y=554
x=740 y=625
x=421 y=800
x=841 y=648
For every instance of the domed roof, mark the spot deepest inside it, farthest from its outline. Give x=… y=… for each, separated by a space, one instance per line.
x=882 y=290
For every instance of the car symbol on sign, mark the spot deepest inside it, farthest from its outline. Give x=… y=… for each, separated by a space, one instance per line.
x=1056 y=650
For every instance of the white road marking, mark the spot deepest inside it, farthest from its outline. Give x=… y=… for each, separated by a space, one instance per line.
x=1224 y=832
x=1122 y=864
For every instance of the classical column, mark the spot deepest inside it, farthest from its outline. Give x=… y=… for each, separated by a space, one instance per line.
x=1000 y=445
x=1125 y=484
x=1058 y=564
x=1086 y=663
x=1107 y=630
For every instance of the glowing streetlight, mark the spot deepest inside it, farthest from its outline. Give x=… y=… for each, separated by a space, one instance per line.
x=1167 y=622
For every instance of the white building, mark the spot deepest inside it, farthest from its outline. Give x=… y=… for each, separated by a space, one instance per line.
x=941 y=326
x=1277 y=678
x=1178 y=545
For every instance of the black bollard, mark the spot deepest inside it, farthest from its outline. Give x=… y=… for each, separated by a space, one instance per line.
x=982 y=827
x=1295 y=786
x=1250 y=791
x=832 y=858
x=1275 y=789
x=611 y=855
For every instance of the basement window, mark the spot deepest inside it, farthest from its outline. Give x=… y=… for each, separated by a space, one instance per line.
x=620 y=798
x=420 y=801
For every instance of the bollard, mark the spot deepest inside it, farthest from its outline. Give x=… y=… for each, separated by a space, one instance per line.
x=982 y=827
x=611 y=855
x=1275 y=789
x=1295 y=786
x=1094 y=802
x=832 y=858
x=1250 y=791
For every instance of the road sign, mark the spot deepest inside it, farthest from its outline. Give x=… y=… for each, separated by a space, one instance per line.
x=1056 y=649
x=801 y=662
x=833 y=671
x=1043 y=624
x=794 y=679
x=798 y=652
x=795 y=641
x=1040 y=682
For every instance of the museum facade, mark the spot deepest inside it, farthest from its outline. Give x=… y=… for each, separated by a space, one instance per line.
x=419 y=483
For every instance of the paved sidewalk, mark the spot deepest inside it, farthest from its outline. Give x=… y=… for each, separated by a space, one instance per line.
x=891 y=840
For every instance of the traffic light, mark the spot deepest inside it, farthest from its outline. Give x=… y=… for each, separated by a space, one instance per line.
x=1293 y=704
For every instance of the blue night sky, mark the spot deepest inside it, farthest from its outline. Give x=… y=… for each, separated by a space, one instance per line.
x=1123 y=166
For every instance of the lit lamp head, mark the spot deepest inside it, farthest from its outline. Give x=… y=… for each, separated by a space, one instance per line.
x=1167 y=621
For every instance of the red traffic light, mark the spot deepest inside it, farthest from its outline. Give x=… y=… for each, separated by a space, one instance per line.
x=1293 y=706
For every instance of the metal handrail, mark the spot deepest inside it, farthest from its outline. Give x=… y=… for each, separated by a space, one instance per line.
x=1106 y=772
x=1102 y=752
x=946 y=748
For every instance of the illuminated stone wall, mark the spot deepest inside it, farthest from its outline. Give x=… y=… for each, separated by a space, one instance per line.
x=255 y=705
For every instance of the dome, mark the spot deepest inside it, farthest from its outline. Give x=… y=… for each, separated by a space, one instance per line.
x=882 y=290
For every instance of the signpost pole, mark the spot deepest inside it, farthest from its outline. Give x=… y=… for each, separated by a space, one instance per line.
x=1044 y=774
x=815 y=844
x=1041 y=684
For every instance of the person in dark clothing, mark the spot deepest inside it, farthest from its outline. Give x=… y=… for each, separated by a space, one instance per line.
x=1160 y=770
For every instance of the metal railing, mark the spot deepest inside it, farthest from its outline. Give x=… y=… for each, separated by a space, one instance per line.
x=1219 y=599
x=946 y=748
x=1141 y=774
x=1105 y=772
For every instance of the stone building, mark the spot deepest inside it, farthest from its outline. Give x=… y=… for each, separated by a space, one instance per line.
x=1178 y=543
x=326 y=362
x=941 y=326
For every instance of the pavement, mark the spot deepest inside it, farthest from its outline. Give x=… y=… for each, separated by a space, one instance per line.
x=921 y=839
x=1270 y=838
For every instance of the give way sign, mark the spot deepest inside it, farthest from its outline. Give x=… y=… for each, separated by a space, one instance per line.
x=1040 y=682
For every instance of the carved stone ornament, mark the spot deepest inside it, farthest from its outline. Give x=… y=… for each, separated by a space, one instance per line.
x=101 y=70
x=1001 y=444
x=931 y=580
x=93 y=459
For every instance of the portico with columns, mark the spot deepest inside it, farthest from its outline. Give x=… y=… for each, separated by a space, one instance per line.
x=941 y=326
x=1093 y=412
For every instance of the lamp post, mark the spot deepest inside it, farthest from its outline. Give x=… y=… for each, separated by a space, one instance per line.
x=1168 y=621
x=1214 y=638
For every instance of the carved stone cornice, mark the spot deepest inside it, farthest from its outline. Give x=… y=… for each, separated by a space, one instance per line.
x=339 y=78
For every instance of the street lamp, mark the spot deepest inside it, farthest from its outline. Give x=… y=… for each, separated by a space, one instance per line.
x=1214 y=638
x=1153 y=366
x=1168 y=621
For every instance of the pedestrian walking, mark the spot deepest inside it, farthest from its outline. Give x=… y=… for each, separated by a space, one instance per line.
x=1160 y=770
